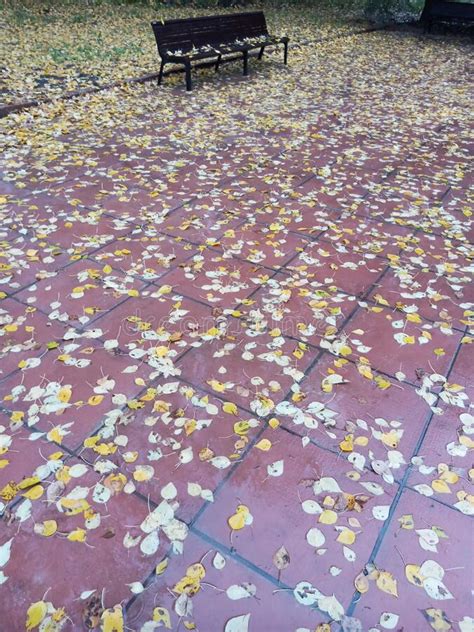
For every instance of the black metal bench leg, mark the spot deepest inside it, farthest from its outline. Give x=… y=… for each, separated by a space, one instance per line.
x=246 y=62
x=160 y=76
x=189 y=84
x=260 y=55
x=218 y=63
x=285 y=54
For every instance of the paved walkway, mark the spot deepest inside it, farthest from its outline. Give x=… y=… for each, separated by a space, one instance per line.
x=235 y=359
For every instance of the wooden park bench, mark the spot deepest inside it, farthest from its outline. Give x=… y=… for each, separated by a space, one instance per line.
x=446 y=11
x=236 y=34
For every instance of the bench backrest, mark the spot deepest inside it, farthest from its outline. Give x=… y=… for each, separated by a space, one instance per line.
x=215 y=29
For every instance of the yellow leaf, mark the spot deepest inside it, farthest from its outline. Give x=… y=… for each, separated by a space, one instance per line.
x=46 y=528
x=161 y=567
x=241 y=427
x=273 y=423
x=365 y=371
x=230 y=408
x=64 y=394
x=382 y=383
x=28 y=482
x=412 y=573
x=196 y=571
x=406 y=521
x=347 y=536
x=78 y=535
x=439 y=351
x=95 y=400
x=112 y=620
x=264 y=445
x=437 y=619
x=55 y=435
x=347 y=444
x=161 y=615
x=34 y=493
x=35 y=614
x=216 y=385
x=387 y=583
x=237 y=521
x=441 y=487
x=143 y=473
x=328 y=516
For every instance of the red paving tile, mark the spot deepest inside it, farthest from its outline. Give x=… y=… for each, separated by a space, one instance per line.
x=300 y=308
x=373 y=421
x=424 y=564
x=404 y=342
x=26 y=260
x=349 y=271
x=181 y=442
x=140 y=254
x=252 y=369
x=220 y=282
x=24 y=333
x=82 y=292
x=446 y=299
x=328 y=529
x=67 y=392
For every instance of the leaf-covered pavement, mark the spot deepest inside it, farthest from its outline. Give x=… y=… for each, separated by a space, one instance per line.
x=235 y=349
x=51 y=49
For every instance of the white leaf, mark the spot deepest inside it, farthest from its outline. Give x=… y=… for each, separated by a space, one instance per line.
x=194 y=489
x=275 y=468
x=241 y=591
x=311 y=507
x=150 y=544
x=436 y=589
x=238 y=624
x=430 y=568
x=169 y=491
x=218 y=561
x=428 y=539
x=424 y=490
x=77 y=470
x=306 y=594
x=101 y=494
x=315 y=537
x=373 y=488
x=220 y=462
x=5 y=551
x=388 y=620
x=207 y=494
x=349 y=554
x=326 y=484
x=136 y=588
x=380 y=512
x=465 y=507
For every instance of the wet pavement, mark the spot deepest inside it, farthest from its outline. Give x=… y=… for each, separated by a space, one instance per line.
x=235 y=359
